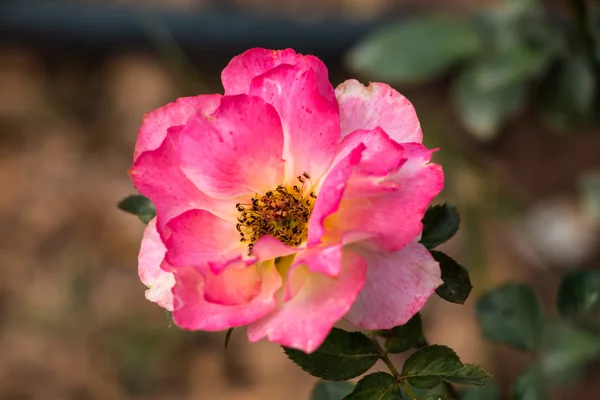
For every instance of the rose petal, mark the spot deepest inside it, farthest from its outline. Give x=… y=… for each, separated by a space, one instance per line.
x=236 y=151
x=311 y=124
x=156 y=123
x=304 y=321
x=200 y=239
x=159 y=282
x=242 y=69
x=377 y=105
x=397 y=286
x=237 y=284
x=156 y=174
x=192 y=311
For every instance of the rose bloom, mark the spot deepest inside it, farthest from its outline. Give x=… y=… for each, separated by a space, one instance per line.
x=285 y=205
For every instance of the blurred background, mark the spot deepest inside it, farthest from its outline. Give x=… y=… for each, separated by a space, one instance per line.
x=506 y=90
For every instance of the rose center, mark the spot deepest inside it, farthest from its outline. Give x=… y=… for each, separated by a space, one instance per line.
x=282 y=213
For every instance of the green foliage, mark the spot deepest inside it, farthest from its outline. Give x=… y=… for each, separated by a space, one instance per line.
x=438 y=397
x=327 y=390
x=228 y=336
x=489 y=391
x=140 y=206
x=529 y=385
x=512 y=314
x=415 y=51
x=404 y=337
x=579 y=293
x=457 y=284
x=343 y=355
x=376 y=386
x=430 y=365
x=440 y=224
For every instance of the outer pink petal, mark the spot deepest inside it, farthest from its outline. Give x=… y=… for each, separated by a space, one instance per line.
x=311 y=124
x=305 y=320
x=330 y=194
x=159 y=282
x=242 y=69
x=236 y=151
x=192 y=311
x=393 y=216
x=156 y=123
x=201 y=239
x=156 y=174
x=377 y=105
x=397 y=286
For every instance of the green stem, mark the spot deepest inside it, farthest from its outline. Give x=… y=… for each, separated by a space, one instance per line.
x=383 y=355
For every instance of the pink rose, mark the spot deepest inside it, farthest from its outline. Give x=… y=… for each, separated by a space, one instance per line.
x=286 y=205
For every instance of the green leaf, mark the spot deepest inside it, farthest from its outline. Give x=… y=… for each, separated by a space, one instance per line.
x=457 y=284
x=438 y=397
x=343 y=355
x=566 y=351
x=397 y=53
x=440 y=223
x=589 y=191
x=376 y=386
x=404 y=337
x=512 y=314
x=327 y=390
x=228 y=336
x=140 y=206
x=489 y=391
x=430 y=365
x=579 y=293
x=529 y=385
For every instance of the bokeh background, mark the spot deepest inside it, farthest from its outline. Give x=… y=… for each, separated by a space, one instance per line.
x=76 y=78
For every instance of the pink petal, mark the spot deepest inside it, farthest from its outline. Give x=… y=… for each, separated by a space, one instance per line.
x=304 y=321
x=377 y=105
x=192 y=311
x=156 y=123
x=397 y=286
x=242 y=69
x=324 y=260
x=393 y=215
x=237 y=284
x=236 y=151
x=311 y=124
x=159 y=282
x=268 y=247
x=200 y=239
x=330 y=194
x=156 y=174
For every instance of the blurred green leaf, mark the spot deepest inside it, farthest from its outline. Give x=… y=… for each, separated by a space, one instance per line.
x=440 y=224
x=140 y=206
x=343 y=355
x=430 y=365
x=529 y=385
x=376 y=386
x=327 y=390
x=438 y=397
x=566 y=351
x=404 y=337
x=489 y=391
x=415 y=51
x=512 y=314
x=457 y=284
x=590 y=194
x=569 y=93
x=579 y=293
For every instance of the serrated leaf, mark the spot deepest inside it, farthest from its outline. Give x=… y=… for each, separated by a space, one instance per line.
x=342 y=356
x=579 y=293
x=528 y=385
x=228 y=336
x=327 y=390
x=489 y=391
x=376 y=386
x=440 y=223
x=432 y=364
x=457 y=283
x=512 y=314
x=140 y=206
x=396 y=53
x=404 y=337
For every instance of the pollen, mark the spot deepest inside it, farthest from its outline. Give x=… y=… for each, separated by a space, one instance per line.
x=282 y=213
